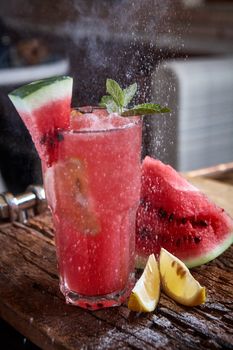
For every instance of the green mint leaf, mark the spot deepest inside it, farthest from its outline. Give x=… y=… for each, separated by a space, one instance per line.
x=112 y=107
x=145 y=109
x=114 y=89
x=129 y=93
x=108 y=103
x=105 y=100
x=155 y=107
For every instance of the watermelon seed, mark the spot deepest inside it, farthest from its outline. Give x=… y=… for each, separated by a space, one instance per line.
x=203 y=223
x=59 y=136
x=100 y=304
x=183 y=221
x=171 y=217
x=197 y=239
x=162 y=213
x=89 y=306
x=178 y=241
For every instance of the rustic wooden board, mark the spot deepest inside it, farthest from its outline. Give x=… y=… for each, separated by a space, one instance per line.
x=220 y=193
x=31 y=302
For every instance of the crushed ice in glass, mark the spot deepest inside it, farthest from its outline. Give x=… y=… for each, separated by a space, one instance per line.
x=99 y=121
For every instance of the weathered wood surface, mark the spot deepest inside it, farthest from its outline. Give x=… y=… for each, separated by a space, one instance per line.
x=221 y=172
x=31 y=302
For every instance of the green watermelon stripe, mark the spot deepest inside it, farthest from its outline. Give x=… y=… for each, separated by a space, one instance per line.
x=39 y=93
x=31 y=88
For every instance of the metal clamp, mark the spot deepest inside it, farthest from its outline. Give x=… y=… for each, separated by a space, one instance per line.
x=23 y=206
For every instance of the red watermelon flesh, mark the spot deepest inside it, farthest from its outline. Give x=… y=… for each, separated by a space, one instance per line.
x=44 y=125
x=175 y=215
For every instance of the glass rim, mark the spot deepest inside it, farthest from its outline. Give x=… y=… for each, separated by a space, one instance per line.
x=89 y=109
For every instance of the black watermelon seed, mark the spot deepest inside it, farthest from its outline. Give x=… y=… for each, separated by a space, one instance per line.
x=89 y=306
x=60 y=137
x=183 y=221
x=197 y=239
x=203 y=223
x=162 y=213
x=178 y=241
x=171 y=217
x=100 y=304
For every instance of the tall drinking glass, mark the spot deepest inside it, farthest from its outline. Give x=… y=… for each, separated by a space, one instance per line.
x=93 y=191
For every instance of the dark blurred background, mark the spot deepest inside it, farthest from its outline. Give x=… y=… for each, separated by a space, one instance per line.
x=180 y=52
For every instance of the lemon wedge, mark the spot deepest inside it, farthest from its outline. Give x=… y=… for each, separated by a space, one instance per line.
x=145 y=294
x=177 y=281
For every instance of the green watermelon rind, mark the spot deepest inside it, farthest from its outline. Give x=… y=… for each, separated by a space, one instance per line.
x=41 y=92
x=197 y=261
x=214 y=253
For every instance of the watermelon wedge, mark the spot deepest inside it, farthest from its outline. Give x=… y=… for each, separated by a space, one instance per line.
x=175 y=215
x=45 y=107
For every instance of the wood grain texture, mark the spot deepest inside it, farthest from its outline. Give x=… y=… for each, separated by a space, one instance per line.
x=31 y=302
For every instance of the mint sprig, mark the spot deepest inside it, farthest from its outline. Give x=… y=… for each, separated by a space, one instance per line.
x=118 y=100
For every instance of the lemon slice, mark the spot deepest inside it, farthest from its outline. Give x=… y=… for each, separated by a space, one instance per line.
x=177 y=281
x=145 y=294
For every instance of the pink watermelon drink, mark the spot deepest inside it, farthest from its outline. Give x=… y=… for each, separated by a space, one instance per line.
x=93 y=191
x=91 y=167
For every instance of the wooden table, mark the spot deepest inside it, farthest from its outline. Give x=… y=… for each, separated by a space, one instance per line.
x=31 y=302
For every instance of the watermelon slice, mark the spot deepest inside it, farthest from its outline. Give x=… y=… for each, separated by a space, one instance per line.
x=44 y=107
x=175 y=215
